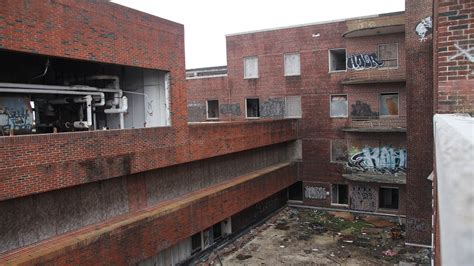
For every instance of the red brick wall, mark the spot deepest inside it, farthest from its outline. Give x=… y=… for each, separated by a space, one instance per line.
x=38 y=163
x=454 y=72
x=202 y=89
x=143 y=238
x=419 y=89
x=98 y=31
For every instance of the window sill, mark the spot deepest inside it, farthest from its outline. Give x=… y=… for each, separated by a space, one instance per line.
x=250 y=78
x=340 y=205
x=252 y=118
x=337 y=71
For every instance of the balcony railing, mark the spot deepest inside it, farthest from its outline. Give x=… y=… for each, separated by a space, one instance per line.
x=377 y=123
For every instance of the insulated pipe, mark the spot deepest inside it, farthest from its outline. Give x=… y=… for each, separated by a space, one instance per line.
x=105 y=77
x=123 y=107
x=88 y=100
x=48 y=87
x=45 y=91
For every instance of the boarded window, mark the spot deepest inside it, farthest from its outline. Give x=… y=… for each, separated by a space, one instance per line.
x=388 y=53
x=339 y=106
x=293 y=106
x=337 y=60
x=212 y=109
x=251 y=67
x=340 y=194
x=388 y=198
x=292 y=64
x=388 y=104
x=338 y=151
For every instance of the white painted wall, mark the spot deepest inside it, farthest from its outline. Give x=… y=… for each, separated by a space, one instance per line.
x=454 y=149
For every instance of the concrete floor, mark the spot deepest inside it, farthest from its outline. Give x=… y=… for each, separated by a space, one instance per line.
x=302 y=236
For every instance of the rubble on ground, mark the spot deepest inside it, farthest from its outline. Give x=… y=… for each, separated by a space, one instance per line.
x=313 y=236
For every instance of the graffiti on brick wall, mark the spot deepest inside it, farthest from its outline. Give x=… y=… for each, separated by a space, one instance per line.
x=363 y=61
x=363 y=198
x=15 y=114
x=317 y=193
x=361 y=109
x=424 y=28
x=465 y=53
x=417 y=225
x=384 y=160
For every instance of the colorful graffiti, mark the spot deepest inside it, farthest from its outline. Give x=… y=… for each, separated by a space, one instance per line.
x=363 y=61
x=424 y=28
x=384 y=160
x=315 y=193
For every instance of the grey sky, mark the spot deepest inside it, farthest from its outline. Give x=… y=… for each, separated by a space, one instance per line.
x=207 y=22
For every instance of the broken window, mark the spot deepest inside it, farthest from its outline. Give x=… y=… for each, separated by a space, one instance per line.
x=293 y=106
x=388 y=198
x=295 y=191
x=196 y=243
x=212 y=107
x=338 y=151
x=251 y=67
x=388 y=104
x=252 y=108
x=339 y=106
x=217 y=231
x=340 y=194
x=292 y=64
x=337 y=60
x=388 y=53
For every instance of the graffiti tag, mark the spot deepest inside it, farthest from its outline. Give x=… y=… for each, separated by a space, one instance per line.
x=363 y=198
x=363 y=61
x=424 y=28
x=385 y=160
x=315 y=193
x=463 y=52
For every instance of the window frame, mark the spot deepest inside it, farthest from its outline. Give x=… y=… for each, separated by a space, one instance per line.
x=286 y=106
x=330 y=109
x=207 y=110
x=299 y=64
x=246 y=110
x=329 y=60
x=330 y=151
x=339 y=204
x=245 y=67
x=380 y=105
x=398 y=56
x=388 y=209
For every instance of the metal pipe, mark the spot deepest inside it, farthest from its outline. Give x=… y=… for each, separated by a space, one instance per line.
x=48 y=87
x=123 y=108
x=45 y=91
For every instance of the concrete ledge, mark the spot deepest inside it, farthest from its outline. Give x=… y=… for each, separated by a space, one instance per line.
x=383 y=179
x=454 y=155
x=136 y=236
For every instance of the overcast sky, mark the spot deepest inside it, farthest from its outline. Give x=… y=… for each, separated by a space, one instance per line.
x=206 y=22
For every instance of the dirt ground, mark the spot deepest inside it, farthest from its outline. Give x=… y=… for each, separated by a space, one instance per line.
x=305 y=236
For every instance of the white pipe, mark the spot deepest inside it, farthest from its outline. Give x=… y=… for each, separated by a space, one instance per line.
x=123 y=108
x=88 y=100
x=46 y=91
x=47 y=87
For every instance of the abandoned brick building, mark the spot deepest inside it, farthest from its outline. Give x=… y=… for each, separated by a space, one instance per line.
x=112 y=151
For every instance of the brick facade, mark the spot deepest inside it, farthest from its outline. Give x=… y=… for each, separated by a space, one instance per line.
x=453 y=42
x=124 y=182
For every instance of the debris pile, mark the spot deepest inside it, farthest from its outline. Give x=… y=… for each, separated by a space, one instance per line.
x=305 y=236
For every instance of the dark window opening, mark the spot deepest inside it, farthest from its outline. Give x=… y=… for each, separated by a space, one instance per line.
x=388 y=198
x=196 y=243
x=212 y=109
x=295 y=191
x=253 y=108
x=337 y=60
x=217 y=231
x=340 y=194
